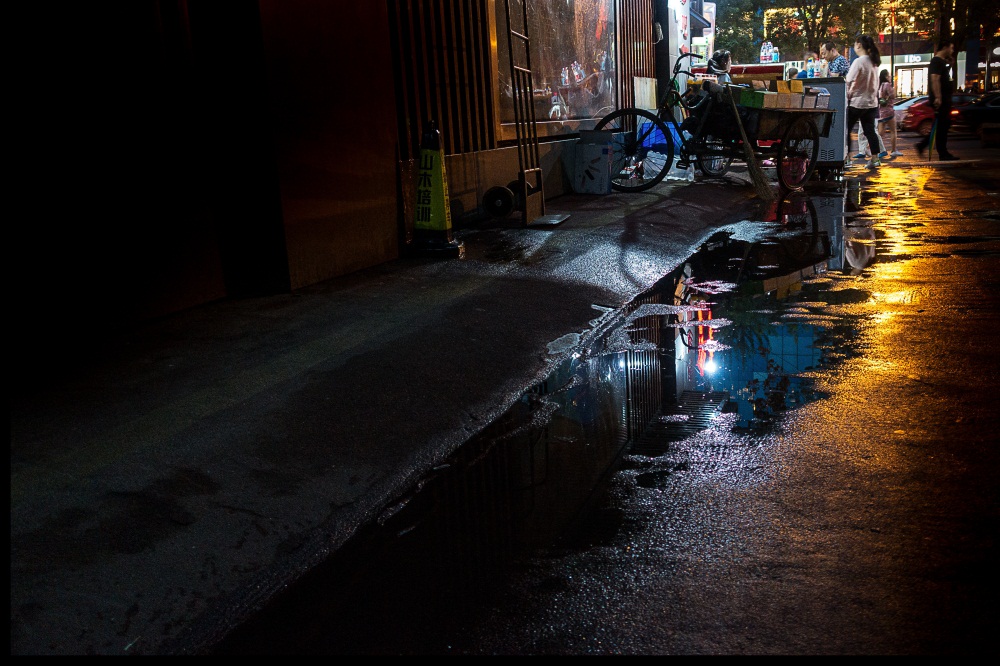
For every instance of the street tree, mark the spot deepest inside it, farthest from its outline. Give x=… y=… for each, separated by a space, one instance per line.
x=793 y=25
x=803 y=25
x=740 y=27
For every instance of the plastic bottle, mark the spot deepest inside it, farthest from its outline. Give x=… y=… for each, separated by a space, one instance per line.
x=763 y=51
x=776 y=55
x=811 y=68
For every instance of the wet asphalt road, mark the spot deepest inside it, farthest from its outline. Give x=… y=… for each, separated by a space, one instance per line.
x=864 y=522
x=857 y=514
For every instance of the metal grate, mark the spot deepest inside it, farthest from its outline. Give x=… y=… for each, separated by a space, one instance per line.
x=443 y=72
x=444 y=69
x=634 y=22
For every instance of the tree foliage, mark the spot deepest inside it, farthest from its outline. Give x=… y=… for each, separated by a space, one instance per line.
x=796 y=26
x=974 y=19
x=807 y=25
x=803 y=25
x=739 y=27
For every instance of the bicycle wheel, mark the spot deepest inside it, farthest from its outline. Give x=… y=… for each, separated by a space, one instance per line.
x=712 y=157
x=810 y=245
x=797 y=153
x=643 y=149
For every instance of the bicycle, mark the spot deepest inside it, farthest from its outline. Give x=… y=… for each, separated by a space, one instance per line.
x=644 y=149
x=643 y=141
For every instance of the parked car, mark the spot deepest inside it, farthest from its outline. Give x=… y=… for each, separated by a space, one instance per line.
x=919 y=117
x=986 y=109
x=900 y=107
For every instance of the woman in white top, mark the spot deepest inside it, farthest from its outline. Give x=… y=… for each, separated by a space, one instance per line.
x=862 y=92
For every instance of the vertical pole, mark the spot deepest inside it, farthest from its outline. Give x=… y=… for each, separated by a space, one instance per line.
x=892 y=46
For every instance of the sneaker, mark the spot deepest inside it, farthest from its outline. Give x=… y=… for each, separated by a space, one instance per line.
x=884 y=154
x=897 y=153
x=921 y=148
x=860 y=156
x=876 y=163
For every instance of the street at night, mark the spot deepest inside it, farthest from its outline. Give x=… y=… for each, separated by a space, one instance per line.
x=857 y=515
x=424 y=328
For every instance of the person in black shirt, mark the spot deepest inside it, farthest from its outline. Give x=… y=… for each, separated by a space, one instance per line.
x=939 y=72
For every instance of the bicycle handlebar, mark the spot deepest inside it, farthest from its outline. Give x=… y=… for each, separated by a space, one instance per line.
x=680 y=59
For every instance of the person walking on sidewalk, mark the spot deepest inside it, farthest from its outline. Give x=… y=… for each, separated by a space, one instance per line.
x=862 y=93
x=886 y=114
x=886 y=119
x=941 y=87
x=864 y=151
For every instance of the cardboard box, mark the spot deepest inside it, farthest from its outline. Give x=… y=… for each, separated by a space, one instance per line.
x=789 y=101
x=796 y=86
x=770 y=99
x=780 y=86
x=822 y=101
x=592 y=166
x=750 y=98
x=809 y=100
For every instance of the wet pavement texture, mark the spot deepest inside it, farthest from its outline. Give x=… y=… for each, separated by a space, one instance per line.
x=167 y=480
x=786 y=446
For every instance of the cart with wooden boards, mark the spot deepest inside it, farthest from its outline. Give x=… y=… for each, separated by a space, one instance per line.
x=788 y=138
x=713 y=132
x=784 y=139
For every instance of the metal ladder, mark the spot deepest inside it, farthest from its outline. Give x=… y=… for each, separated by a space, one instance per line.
x=531 y=193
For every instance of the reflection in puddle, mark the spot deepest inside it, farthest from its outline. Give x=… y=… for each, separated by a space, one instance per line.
x=684 y=382
x=726 y=340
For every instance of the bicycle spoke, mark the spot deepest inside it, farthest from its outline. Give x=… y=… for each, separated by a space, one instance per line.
x=797 y=154
x=642 y=149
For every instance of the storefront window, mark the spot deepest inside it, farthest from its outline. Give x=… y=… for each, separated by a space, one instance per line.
x=911 y=81
x=572 y=58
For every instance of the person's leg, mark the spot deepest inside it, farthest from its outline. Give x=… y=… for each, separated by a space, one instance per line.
x=853 y=115
x=882 y=152
x=922 y=144
x=868 y=127
x=943 y=125
x=893 y=133
x=862 y=145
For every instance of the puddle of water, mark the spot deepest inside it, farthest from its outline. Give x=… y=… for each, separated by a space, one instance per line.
x=724 y=344
x=729 y=337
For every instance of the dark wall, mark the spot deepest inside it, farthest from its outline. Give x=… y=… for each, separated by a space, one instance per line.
x=145 y=176
x=176 y=152
x=330 y=81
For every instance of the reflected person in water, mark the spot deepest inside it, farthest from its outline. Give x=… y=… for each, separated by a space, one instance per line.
x=859 y=249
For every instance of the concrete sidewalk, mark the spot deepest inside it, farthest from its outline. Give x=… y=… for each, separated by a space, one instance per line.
x=167 y=487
